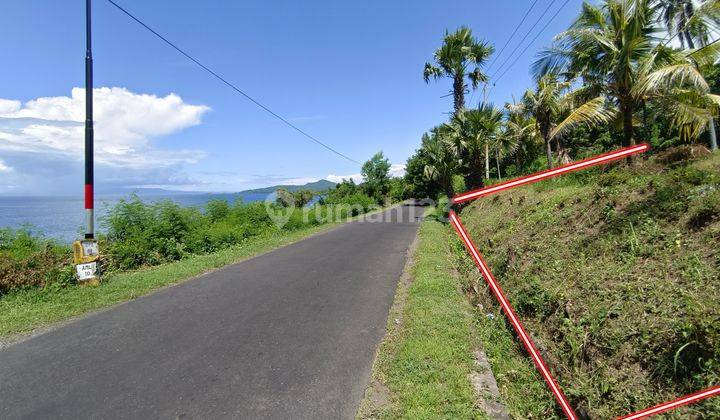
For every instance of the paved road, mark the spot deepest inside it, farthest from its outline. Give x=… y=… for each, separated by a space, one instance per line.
x=288 y=334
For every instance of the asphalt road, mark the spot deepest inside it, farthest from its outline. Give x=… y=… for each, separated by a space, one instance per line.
x=288 y=334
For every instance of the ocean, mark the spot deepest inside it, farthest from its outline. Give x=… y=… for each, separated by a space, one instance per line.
x=63 y=218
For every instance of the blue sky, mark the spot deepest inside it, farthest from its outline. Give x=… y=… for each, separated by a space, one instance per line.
x=350 y=73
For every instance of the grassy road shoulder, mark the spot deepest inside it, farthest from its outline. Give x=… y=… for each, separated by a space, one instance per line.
x=424 y=365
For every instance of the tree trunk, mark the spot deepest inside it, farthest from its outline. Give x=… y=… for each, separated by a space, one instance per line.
x=459 y=92
x=563 y=155
x=448 y=187
x=627 y=115
x=713 y=135
x=688 y=38
x=548 y=152
x=497 y=161
x=474 y=175
x=487 y=161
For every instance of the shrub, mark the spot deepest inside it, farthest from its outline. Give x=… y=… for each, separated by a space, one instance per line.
x=27 y=260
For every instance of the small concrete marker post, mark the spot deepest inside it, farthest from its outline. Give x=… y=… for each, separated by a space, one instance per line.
x=86 y=257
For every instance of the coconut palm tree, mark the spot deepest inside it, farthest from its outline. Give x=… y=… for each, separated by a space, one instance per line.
x=614 y=49
x=691 y=24
x=673 y=79
x=604 y=46
x=677 y=15
x=459 y=57
x=521 y=126
x=546 y=103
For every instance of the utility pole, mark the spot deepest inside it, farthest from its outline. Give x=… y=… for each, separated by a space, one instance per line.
x=85 y=252
x=89 y=134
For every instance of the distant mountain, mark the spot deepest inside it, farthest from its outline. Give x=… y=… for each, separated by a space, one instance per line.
x=316 y=186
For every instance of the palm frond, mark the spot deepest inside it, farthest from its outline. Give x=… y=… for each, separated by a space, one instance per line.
x=667 y=77
x=591 y=113
x=432 y=72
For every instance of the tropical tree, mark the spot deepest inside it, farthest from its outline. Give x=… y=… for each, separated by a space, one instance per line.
x=284 y=197
x=521 y=127
x=605 y=45
x=442 y=160
x=459 y=58
x=614 y=49
x=303 y=197
x=505 y=144
x=546 y=103
x=473 y=132
x=419 y=184
x=676 y=14
x=691 y=21
x=682 y=19
x=376 y=176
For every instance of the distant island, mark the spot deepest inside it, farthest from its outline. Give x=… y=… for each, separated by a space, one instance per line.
x=316 y=186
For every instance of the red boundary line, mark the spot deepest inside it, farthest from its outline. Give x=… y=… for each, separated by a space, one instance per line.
x=507 y=307
x=549 y=173
x=529 y=345
x=661 y=408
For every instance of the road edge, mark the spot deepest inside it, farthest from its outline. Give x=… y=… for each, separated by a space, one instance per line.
x=429 y=311
x=7 y=340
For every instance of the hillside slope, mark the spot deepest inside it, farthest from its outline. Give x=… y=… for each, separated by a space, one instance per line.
x=615 y=272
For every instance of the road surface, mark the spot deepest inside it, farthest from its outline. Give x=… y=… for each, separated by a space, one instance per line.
x=288 y=334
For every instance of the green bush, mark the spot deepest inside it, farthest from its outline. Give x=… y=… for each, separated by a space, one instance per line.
x=145 y=234
x=27 y=260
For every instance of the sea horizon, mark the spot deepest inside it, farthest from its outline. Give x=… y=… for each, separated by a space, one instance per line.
x=62 y=217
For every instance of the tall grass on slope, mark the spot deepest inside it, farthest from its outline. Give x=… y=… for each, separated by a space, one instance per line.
x=615 y=274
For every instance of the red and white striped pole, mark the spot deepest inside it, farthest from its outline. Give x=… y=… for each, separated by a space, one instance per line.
x=89 y=134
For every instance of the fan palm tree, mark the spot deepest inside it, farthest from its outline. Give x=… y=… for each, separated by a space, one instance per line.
x=443 y=163
x=474 y=130
x=505 y=144
x=459 y=57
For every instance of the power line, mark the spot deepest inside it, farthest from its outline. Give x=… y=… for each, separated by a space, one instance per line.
x=232 y=86
x=513 y=34
x=524 y=37
x=533 y=40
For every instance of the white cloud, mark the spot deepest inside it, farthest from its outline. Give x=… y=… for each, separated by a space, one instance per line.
x=298 y=181
x=8 y=106
x=397 y=170
x=339 y=178
x=125 y=124
x=4 y=167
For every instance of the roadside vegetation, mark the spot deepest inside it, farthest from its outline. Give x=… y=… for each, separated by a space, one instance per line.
x=614 y=270
x=614 y=273
x=425 y=362
x=613 y=78
x=146 y=245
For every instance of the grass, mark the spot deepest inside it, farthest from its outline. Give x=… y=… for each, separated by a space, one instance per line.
x=614 y=273
x=423 y=366
x=25 y=310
